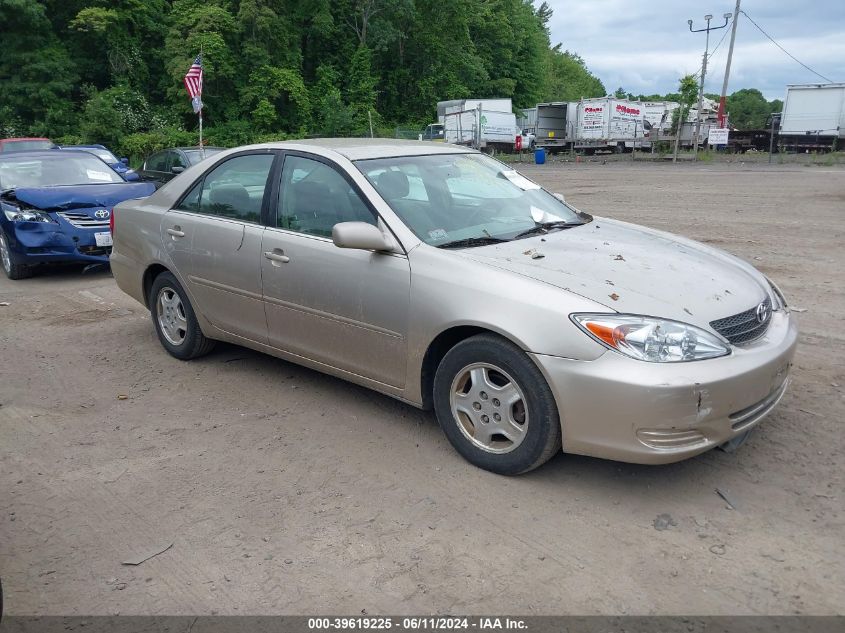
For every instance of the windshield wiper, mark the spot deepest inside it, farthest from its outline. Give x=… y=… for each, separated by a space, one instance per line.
x=545 y=227
x=473 y=241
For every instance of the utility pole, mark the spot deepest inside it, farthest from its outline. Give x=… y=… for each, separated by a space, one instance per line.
x=722 y=121
x=707 y=17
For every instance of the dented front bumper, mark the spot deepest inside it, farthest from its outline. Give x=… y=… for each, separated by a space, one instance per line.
x=59 y=241
x=618 y=408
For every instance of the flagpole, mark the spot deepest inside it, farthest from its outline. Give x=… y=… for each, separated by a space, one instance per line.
x=202 y=149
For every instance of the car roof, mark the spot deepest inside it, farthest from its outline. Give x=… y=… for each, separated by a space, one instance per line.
x=196 y=149
x=365 y=148
x=84 y=147
x=24 y=138
x=44 y=153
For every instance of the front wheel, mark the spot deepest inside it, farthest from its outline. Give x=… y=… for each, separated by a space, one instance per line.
x=175 y=321
x=13 y=271
x=495 y=406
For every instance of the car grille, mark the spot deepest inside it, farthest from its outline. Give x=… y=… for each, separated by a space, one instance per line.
x=743 y=327
x=84 y=221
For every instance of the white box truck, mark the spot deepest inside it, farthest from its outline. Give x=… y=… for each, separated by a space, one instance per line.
x=813 y=117
x=480 y=123
x=553 y=125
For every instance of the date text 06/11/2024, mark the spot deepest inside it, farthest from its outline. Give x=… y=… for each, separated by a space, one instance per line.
x=415 y=623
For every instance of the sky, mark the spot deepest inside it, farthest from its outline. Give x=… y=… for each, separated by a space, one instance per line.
x=646 y=46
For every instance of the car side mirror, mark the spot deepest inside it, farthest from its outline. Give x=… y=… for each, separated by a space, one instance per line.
x=176 y=169
x=360 y=235
x=559 y=196
x=124 y=160
x=132 y=176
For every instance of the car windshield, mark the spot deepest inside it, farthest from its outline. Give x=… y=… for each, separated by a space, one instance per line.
x=103 y=154
x=24 y=146
x=445 y=198
x=195 y=155
x=61 y=169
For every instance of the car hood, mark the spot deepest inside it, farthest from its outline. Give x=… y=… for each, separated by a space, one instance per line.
x=635 y=270
x=64 y=198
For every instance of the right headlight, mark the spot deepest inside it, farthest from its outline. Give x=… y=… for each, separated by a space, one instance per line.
x=21 y=215
x=651 y=339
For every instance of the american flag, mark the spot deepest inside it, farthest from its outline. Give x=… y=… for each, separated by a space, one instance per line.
x=193 y=80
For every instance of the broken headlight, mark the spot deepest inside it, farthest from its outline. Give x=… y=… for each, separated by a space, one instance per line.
x=651 y=339
x=20 y=215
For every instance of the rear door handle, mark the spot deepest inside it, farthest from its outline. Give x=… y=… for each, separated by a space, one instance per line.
x=277 y=255
x=176 y=232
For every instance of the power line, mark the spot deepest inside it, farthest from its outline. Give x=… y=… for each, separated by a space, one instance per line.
x=759 y=28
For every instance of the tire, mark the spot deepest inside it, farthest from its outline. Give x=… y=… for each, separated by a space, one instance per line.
x=13 y=270
x=472 y=383
x=175 y=321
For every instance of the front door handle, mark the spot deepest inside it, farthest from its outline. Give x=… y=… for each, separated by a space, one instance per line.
x=277 y=256
x=176 y=231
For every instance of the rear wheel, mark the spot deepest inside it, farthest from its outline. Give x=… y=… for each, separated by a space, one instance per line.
x=12 y=270
x=175 y=321
x=495 y=406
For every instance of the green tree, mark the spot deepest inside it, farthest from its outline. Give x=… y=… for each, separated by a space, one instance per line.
x=686 y=96
x=36 y=72
x=568 y=79
x=748 y=109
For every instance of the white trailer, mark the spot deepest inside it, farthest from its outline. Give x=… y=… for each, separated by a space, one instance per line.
x=480 y=123
x=609 y=123
x=813 y=117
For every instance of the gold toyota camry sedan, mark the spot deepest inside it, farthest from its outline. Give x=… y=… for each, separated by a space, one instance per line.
x=441 y=277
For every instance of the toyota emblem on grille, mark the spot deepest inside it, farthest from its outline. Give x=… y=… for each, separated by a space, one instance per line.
x=101 y=213
x=763 y=312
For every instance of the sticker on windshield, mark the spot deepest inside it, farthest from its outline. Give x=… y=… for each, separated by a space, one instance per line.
x=438 y=234
x=519 y=180
x=98 y=175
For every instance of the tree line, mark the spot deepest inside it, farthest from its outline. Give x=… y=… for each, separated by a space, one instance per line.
x=110 y=71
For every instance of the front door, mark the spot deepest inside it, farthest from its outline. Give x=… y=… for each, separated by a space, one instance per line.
x=225 y=232
x=342 y=307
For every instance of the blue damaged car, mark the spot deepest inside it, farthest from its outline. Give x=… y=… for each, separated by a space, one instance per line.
x=55 y=207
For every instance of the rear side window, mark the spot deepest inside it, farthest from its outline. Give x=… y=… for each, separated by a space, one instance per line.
x=191 y=202
x=235 y=189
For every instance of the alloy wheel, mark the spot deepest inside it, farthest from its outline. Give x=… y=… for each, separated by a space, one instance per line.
x=170 y=313
x=489 y=407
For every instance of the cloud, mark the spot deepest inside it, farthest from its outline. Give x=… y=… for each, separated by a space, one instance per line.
x=647 y=47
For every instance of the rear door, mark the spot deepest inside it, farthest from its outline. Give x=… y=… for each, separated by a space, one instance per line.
x=218 y=228
x=341 y=307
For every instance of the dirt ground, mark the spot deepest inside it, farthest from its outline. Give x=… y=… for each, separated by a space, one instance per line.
x=284 y=491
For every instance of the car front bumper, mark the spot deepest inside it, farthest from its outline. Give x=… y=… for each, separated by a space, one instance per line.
x=618 y=408
x=44 y=242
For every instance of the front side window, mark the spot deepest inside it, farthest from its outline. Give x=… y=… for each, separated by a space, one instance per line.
x=157 y=162
x=445 y=198
x=235 y=189
x=177 y=161
x=314 y=197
